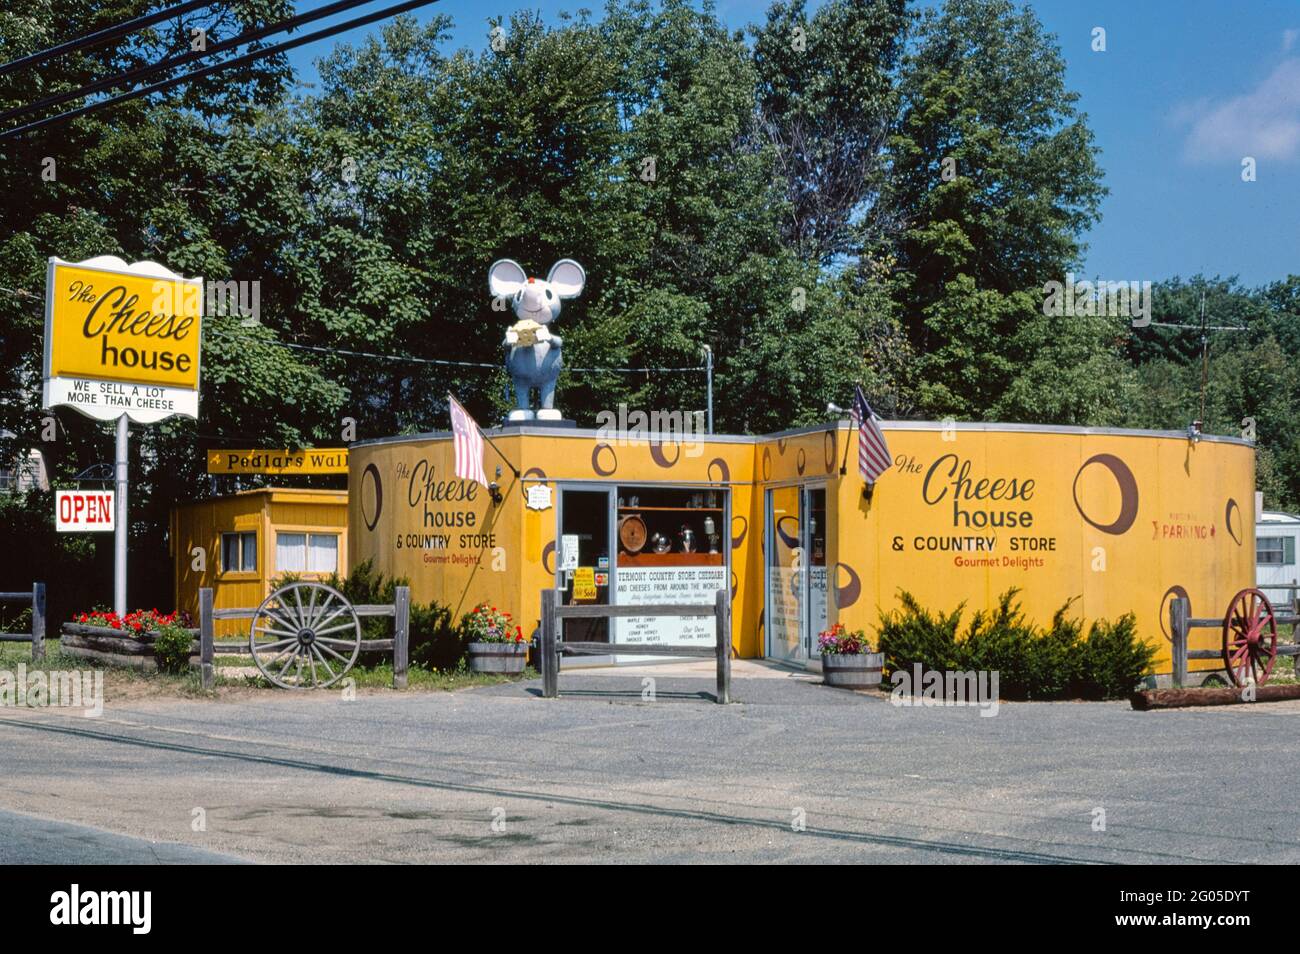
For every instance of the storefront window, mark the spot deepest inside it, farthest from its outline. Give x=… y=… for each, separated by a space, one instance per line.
x=307 y=552
x=671 y=549
x=239 y=552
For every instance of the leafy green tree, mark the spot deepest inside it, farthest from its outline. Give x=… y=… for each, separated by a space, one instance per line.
x=994 y=173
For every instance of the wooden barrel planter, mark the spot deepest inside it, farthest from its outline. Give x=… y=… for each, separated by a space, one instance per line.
x=110 y=647
x=498 y=657
x=845 y=671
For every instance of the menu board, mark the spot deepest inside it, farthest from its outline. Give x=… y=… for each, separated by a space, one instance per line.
x=639 y=586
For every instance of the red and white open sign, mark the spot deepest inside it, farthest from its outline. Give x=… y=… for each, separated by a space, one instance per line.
x=78 y=511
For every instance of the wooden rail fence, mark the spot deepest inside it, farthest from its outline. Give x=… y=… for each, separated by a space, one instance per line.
x=35 y=597
x=207 y=645
x=1181 y=623
x=553 y=646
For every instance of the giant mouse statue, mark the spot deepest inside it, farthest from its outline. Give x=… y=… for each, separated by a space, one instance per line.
x=532 y=353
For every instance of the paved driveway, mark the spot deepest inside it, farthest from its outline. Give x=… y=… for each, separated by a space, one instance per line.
x=499 y=774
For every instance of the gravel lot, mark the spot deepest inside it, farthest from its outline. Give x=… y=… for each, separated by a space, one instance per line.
x=499 y=774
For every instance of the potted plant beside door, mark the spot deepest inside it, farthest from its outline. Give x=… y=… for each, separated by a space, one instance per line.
x=847 y=659
x=496 y=644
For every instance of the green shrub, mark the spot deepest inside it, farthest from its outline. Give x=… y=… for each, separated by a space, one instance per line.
x=172 y=644
x=435 y=642
x=913 y=634
x=1113 y=659
x=1032 y=663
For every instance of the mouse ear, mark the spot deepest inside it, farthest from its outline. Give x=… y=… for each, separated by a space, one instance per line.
x=567 y=278
x=505 y=277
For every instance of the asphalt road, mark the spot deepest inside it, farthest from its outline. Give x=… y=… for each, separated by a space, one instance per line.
x=498 y=774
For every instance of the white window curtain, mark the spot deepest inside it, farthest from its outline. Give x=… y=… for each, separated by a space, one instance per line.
x=323 y=555
x=291 y=552
x=250 y=552
x=229 y=552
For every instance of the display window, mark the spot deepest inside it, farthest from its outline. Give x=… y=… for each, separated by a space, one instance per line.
x=642 y=544
x=671 y=549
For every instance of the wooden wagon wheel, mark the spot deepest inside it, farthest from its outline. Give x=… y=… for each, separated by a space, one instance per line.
x=305 y=636
x=1249 y=638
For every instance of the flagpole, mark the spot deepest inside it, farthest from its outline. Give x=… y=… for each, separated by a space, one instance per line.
x=844 y=464
x=500 y=453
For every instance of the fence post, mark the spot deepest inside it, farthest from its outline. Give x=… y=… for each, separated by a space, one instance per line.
x=206 y=672
x=550 y=659
x=401 y=635
x=1180 y=610
x=722 y=623
x=38 y=621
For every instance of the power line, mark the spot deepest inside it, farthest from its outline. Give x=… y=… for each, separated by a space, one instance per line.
x=445 y=362
x=141 y=72
x=409 y=359
x=243 y=60
x=108 y=33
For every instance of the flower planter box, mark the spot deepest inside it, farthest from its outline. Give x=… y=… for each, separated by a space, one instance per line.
x=498 y=657
x=112 y=647
x=852 y=671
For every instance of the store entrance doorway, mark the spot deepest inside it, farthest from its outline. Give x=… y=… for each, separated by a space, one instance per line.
x=583 y=567
x=796 y=607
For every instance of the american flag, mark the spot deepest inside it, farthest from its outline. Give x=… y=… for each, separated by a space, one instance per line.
x=469 y=443
x=873 y=452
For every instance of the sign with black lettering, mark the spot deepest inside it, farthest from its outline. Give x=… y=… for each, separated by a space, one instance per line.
x=122 y=339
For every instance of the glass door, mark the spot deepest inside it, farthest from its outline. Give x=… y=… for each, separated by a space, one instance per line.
x=814 y=537
x=784 y=609
x=583 y=569
x=797 y=582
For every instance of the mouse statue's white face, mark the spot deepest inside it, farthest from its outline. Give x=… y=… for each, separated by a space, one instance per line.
x=533 y=298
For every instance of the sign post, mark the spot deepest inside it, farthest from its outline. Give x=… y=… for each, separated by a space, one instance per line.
x=119 y=531
x=122 y=343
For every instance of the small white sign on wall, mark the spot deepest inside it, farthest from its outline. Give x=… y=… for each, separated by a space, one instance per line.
x=569 y=551
x=539 y=497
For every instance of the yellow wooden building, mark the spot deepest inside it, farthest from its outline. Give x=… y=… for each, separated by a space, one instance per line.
x=240 y=544
x=1111 y=521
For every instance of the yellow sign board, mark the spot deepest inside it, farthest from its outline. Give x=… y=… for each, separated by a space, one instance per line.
x=317 y=460
x=584 y=583
x=122 y=339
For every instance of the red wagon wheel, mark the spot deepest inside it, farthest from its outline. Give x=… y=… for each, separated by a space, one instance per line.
x=1249 y=638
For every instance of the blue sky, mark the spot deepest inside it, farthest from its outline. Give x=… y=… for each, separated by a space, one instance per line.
x=1184 y=91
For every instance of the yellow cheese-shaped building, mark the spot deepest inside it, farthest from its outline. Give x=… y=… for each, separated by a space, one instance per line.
x=1111 y=521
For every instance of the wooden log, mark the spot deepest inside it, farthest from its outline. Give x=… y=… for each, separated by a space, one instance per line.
x=143 y=663
x=401 y=635
x=38 y=621
x=122 y=645
x=107 y=632
x=206 y=635
x=117 y=651
x=1182 y=698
